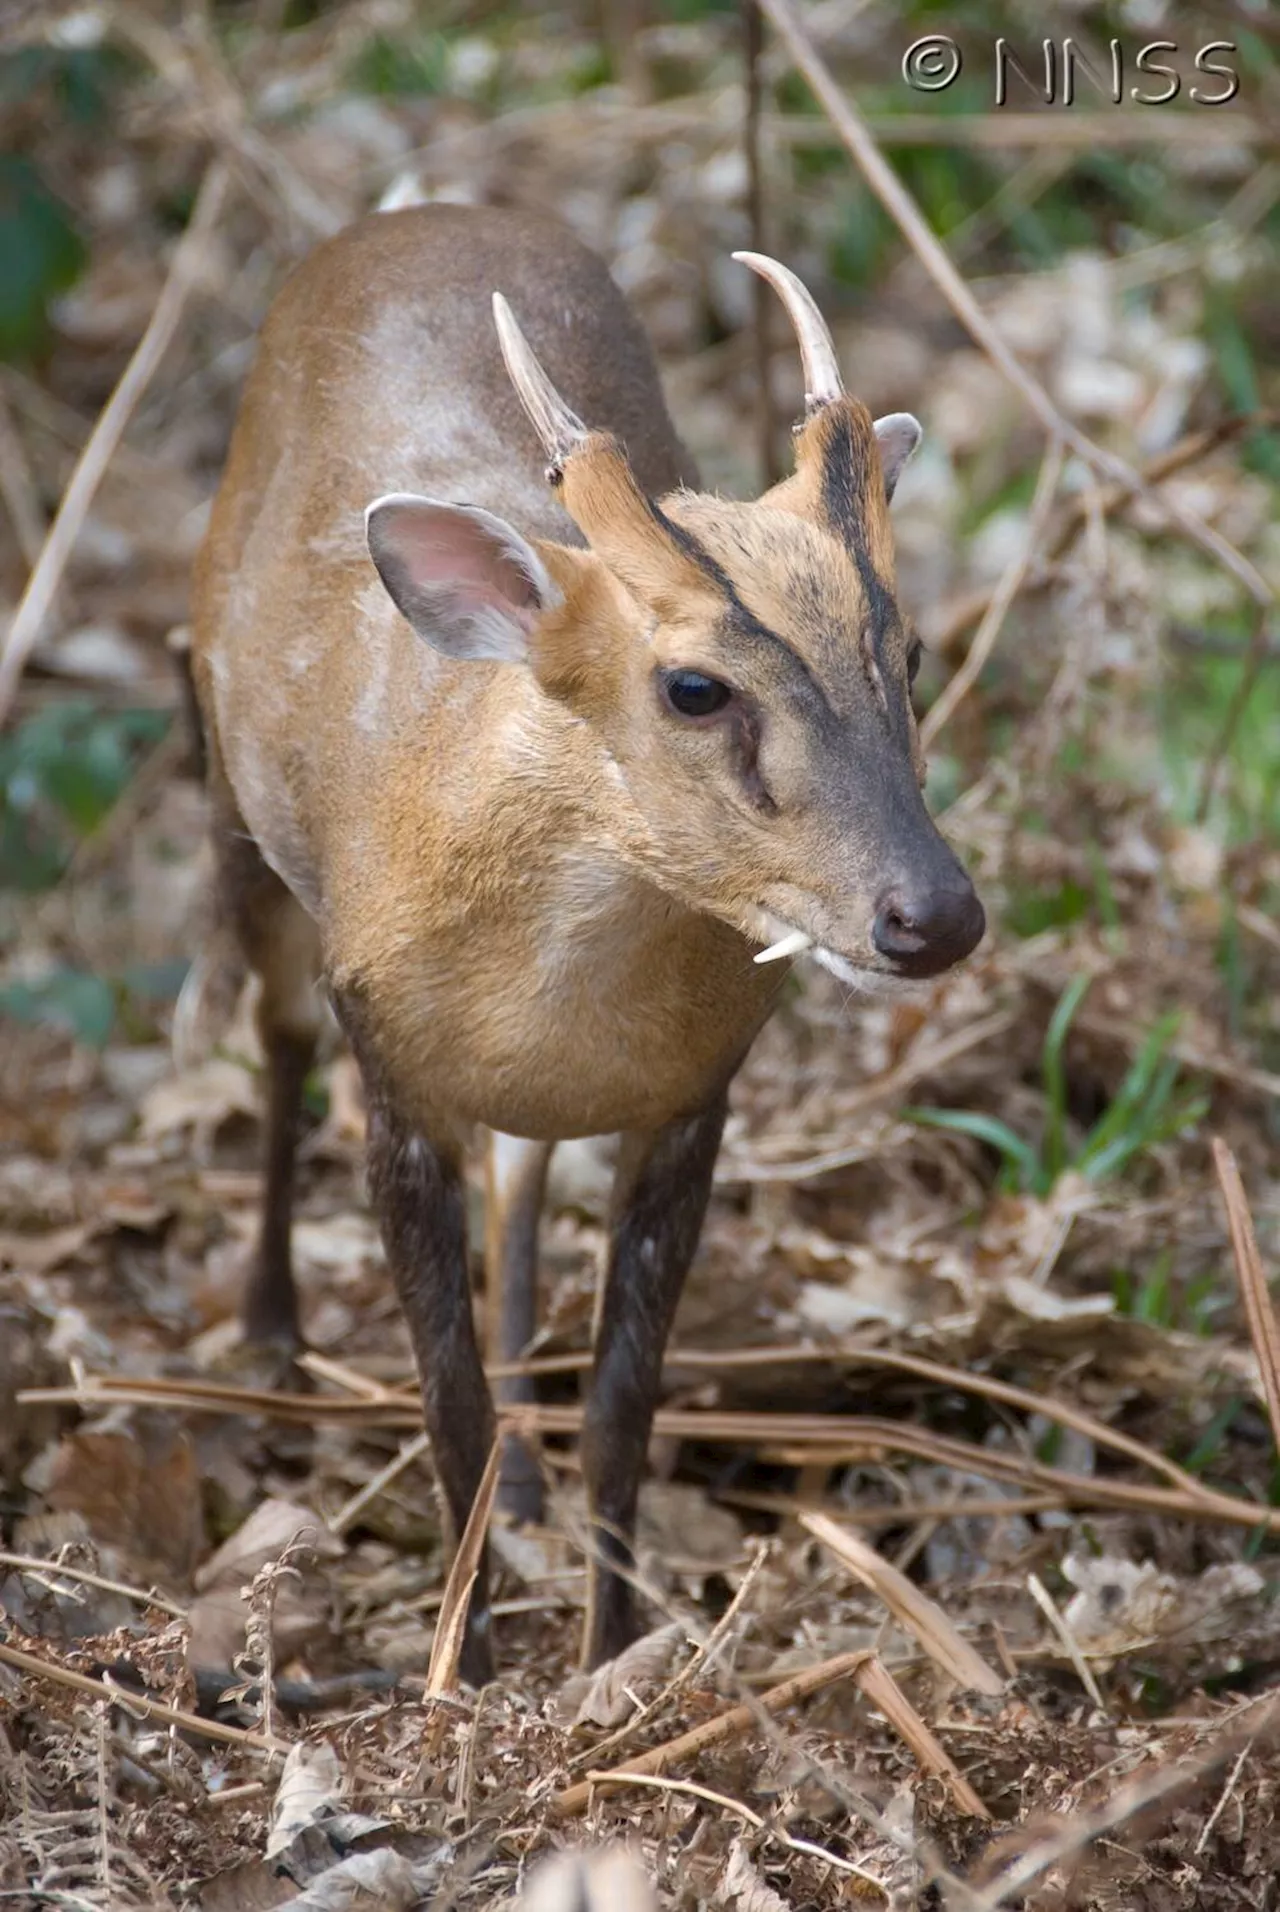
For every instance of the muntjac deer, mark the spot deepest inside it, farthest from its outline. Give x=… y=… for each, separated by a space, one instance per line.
x=547 y=794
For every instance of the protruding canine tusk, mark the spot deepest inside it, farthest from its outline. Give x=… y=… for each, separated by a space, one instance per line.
x=560 y=429
x=790 y=945
x=822 y=381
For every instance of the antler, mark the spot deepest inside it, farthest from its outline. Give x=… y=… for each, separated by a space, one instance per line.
x=822 y=381
x=559 y=428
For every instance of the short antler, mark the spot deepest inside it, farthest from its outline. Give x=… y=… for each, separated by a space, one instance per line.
x=559 y=428
x=597 y=487
x=822 y=381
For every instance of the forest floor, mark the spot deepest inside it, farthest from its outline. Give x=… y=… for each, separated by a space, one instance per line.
x=960 y=1541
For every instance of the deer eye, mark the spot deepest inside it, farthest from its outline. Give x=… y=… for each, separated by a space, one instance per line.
x=690 y=694
x=913 y=661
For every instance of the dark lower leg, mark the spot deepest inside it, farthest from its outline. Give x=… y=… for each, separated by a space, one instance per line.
x=514 y=1184
x=263 y=922
x=661 y=1188
x=417 y=1191
x=270 y=1302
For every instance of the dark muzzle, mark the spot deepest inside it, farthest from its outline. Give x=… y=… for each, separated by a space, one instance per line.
x=922 y=929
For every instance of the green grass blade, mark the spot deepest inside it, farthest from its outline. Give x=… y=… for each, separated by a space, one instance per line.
x=1141 y=1080
x=1014 y=1151
x=1054 y=1077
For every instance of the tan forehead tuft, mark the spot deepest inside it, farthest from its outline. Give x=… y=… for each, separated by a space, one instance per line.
x=794 y=576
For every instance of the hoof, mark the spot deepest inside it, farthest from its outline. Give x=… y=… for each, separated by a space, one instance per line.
x=270 y=1357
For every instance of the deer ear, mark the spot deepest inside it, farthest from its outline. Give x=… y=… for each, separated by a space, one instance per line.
x=466 y=580
x=897 y=435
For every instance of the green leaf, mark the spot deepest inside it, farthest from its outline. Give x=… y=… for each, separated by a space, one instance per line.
x=1126 y=1126
x=60 y=774
x=69 y=999
x=402 y=68
x=1032 y=911
x=1017 y=1153
x=1054 y=1075
x=1209 y=1446
x=41 y=254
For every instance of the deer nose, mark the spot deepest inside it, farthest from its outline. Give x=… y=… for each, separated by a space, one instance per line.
x=922 y=932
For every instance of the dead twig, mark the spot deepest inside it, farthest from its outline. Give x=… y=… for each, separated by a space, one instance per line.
x=1233 y=1780
x=184 y=270
x=138 y=1702
x=1264 y=1082
x=49 y=1570
x=689 y=1789
x=898 y=1513
x=823 y=1439
x=399 y=1403
x=1258 y=1306
x=1189 y=450
x=763 y=302
x=685 y=1675
x=410 y=1452
x=1002 y=598
x=857 y=139
x=738 y=1719
x=922 y=1061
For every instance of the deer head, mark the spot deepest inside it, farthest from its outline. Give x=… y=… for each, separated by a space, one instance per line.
x=744 y=668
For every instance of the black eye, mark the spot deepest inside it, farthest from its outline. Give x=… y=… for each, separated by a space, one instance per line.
x=913 y=661
x=690 y=694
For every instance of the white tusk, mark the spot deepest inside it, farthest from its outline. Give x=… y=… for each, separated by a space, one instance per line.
x=791 y=944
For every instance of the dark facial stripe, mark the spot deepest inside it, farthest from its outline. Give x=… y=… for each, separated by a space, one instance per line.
x=882 y=613
x=848 y=488
x=692 y=549
x=846 y=480
x=738 y=620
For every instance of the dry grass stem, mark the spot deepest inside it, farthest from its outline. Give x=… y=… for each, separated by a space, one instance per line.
x=1002 y=598
x=1259 y=1308
x=37 y=1669
x=446 y=1648
x=884 y=1693
x=913 y=1609
x=1062 y=1633
x=184 y=270
x=411 y=1451
x=739 y=1719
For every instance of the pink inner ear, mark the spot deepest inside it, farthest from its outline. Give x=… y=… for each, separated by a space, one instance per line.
x=438 y=546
